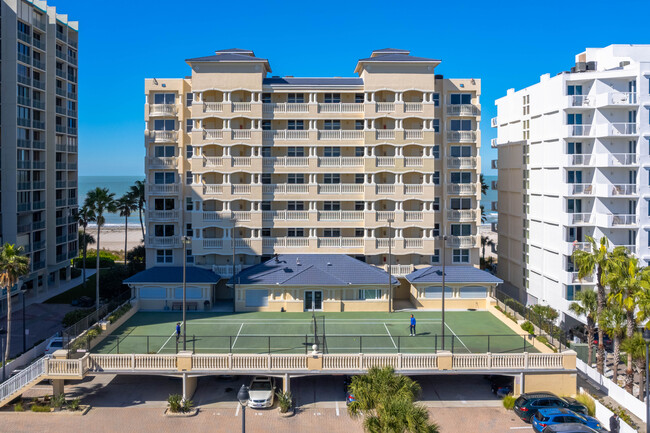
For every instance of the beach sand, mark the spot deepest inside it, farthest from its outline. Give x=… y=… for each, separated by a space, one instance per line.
x=112 y=237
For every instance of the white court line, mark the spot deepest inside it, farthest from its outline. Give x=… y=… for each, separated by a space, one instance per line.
x=237 y=411
x=391 y=337
x=165 y=343
x=461 y=341
x=337 y=408
x=235 y=342
x=229 y=321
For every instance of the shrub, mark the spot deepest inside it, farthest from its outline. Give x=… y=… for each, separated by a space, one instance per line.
x=187 y=405
x=58 y=402
x=75 y=272
x=284 y=400
x=174 y=403
x=589 y=402
x=507 y=314
x=73 y=405
x=119 y=312
x=509 y=402
x=76 y=315
x=40 y=408
x=18 y=407
x=91 y=262
x=528 y=327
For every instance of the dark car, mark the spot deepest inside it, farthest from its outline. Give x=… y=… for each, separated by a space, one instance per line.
x=552 y=416
x=85 y=302
x=501 y=385
x=349 y=398
x=528 y=404
x=607 y=342
x=568 y=428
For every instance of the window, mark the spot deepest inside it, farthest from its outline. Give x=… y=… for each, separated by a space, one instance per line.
x=163 y=151
x=574 y=90
x=188 y=178
x=460 y=125
x=574 y=119
x=266 y=125
x=436 y=99
x=461 y=177
x=164 y=204
x=461 y=203
x=330 y=151
x=296 y=98
x=189 y=98
x=435 y=258
x=164 y=98
x=572 y=291
x=332 y=205
x=359 y=178
x=358 y=125
x=359 y=98
x=266 y=178
x=295 y=233
x=461 y=229
x=266 y=98
x=23 y=49
x=460 y=256
x=164 y=177
x=332 y=125
x=436 y=204
x=295 y=205
x=189 y=151
x=164 y=125
x=296 y=125
x=358 y=233
x=436 y=230
x=293 y=151
x=266 y=233
x=461 y=151
x=332 y=178
x=189 y=206
x=366 y=294
x=298 y=178
x=23 y=28
x=359 y=205
x=331 y=233
x=189 y=258
x=436 y=152
x=460 y=98
x=332 y=98
x=164 y=256
x=436 y=178
x=359 y=151
x=266 y=151
x=266 y=205
x=436 y=125
x=189 y=124
x=188 y=230
x=164 y=230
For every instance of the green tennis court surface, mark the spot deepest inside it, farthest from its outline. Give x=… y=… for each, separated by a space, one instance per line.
x=465 y=332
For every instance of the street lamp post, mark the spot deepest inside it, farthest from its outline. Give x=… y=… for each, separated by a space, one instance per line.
x=444 y=244
x=390 y=262
x=646 y=337
x=243 y=396
x=24 y=326
x=186 y=241
x=3 y=333
x=234 y=239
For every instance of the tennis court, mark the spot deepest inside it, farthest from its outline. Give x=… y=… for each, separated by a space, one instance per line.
x=465 y=332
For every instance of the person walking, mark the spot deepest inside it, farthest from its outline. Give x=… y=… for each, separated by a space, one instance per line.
x=178 y=331
x=412 y=326
x=614 y=424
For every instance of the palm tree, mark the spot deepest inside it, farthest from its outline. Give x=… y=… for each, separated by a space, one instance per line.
x=635 y=349
x=13 y=265
x=483 y=215
x=627 y=281
x=587 y=306
x=99 y=201
x=485 y=242
x=386 y=401
x=125 y=205
x=137 y=191
x=84 y=217
x=484 y=186
x=614 y=322
x=588 y=263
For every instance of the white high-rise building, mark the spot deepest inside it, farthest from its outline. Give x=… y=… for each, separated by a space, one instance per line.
x=573 y=162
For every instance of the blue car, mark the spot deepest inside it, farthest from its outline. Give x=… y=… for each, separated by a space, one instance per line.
x=551 y=416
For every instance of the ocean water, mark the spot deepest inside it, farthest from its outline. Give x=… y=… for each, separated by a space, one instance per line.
x=115 y=184
x=488 y=198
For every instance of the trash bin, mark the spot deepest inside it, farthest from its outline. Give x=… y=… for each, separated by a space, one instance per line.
x=206 y=305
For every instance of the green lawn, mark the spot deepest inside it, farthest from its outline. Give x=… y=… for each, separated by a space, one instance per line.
x=465 y=332
x=110 y=285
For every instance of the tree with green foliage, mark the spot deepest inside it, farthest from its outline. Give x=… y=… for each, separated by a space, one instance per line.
x=615 y=323
x=387 y=403
x=84 y=217
x=635 y=349
x=99 y=201
x=485 y=242
x=13 y=265
x=587 y=264
x=483 y=215
x=137 y=191
x=484 y=185
x=587 y=305
x=125 y=205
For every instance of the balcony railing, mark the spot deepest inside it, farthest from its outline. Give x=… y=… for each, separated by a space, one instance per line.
x=385 y=215
x=285 y=215
x=241 y=189
x=579 y=218
x=288 y=242
x=163 y=109
x=241 y=134
x=162 y=162
x=340 y=188
x=213 y=134
x=461 y=188
x=461 y=215
x=285 y=134
x=239 y=107
x=382 y=189
x=578 y=130
x=580 y=159
x=413 y=107
x=413 y=161
x=340 y=242
x=340 y=215
x=285 y=107
x=461 y=162
x=285 y=161
x=461 y=241
x=622 y=220
x=494 y=122
x=288 y=188
x=580 y=189
x=462 y=110
x=212 y=107
x=621 y=98
x=166 y=241
x=622 y=159
x=385 y=134
x=461 y=136
x=213 y=243
x=340 y=161
x=164 y=136
x=581 y=101
x=385 y=161
x=413 y=134
x=413 y=188
x=169 y=188
x=241 y=161
x=163 y=215
x=340 y=134
x=212 y=189
x=413 y=216
x=212 y=161
x=385 y=107
x=340 y=108
x=623 y=189
x=615 y=129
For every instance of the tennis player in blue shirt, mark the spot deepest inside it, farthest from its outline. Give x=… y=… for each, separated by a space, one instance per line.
x=412 y=327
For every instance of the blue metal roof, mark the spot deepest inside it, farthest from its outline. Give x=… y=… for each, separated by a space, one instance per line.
x=227 y=57
x=397 y=57
x=313 y=269
x=174 y=274
x=391 y=50
x=453 y=274
x=313 y=81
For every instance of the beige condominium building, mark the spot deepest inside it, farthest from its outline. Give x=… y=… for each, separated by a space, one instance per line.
x=38 y=140
x=248 y=165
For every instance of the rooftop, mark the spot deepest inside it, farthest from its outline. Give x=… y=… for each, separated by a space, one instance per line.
x=174 y=274
x=313 y=81
x=453 y=274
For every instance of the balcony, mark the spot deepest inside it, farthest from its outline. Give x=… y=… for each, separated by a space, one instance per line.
x=38 y=144
x=285 y=107
x=579 y=218
x=285 y=161
x=241 y=107
x=623 y=190
x=212 y=107
x=413 y=134
x=462 y=110
x=61 y=239
x=621 y=129
x=39 y=105
x=241 y=189
x=288 y=188
x=163 y=215
x=61 y=257
x=163 y=136
x=580 y=159
x=340 y=242
x=38 y=64
x=213 y=244
x=167 y=241
x=621 y=98
x=411 y=189
x=461 y=241
x=413 y=161
x=384 y=189
x=285 y=215
x=163 y=109
x=212 y=189
x=162 y=162
x=622 y=159
x=340 y=215
x=340 y=134
x=287 y=242
x=241 y=161
x=578 y=130
x=494 y=122
x=39 y=23
x=576 y=101
x=213 y=134
x=38 y=165
x=340 y=161
x=385 y=161
x=61 y=36
x=461 y=162
x=580 y=189
x=385 y=107
x=576 y=280
x=39 y=84
x=616 y=220
x=340 y=108
x=461 y=188
x=413 y=216
x=24 y=37
x=385 y=134
x=61 y=202
x=340 y=188
x=385 y=215
x=25 y=59
x=38 y=43
x=169 y=188
x=285 y=134
x=413 y=107
x=461 y=136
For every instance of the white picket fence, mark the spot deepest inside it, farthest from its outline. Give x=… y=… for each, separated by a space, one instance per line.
x=618 y=394
x=603 y=415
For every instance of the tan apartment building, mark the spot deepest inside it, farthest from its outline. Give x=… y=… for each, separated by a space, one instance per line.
x=38 y=140
x=247 y=165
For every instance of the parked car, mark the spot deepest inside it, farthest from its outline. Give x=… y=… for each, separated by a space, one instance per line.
x=607 y=342
x=546 y=417
x=568 y=428
x=262 y=392
x=55 y=344
x=349 y=397
x=528 y=404
x=501 y=385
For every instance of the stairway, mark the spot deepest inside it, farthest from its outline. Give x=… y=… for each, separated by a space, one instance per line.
x=21 y=382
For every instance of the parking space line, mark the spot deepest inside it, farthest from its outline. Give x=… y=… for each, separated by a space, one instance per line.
x=391 y=337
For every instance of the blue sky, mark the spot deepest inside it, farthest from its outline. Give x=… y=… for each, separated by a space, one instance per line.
x=506 y=44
